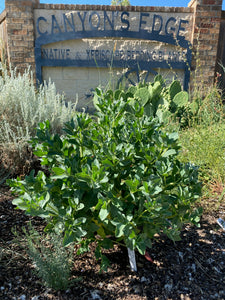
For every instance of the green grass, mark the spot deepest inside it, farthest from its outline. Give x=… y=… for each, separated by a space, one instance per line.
x=203 y=144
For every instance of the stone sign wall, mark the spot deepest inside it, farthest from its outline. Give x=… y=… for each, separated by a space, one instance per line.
x=82 y=46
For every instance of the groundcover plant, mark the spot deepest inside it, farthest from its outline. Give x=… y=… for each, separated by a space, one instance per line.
x=112 y=178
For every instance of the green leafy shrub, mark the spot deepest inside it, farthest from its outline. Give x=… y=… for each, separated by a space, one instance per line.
x=114 y=178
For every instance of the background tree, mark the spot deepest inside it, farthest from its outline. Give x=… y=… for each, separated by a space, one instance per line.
x=120 y=2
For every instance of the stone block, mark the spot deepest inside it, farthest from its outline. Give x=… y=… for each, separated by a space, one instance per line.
x=29 y=60
x=216 y=7
x=18 y=20
x=20 y=32
x=209 y=2
x=11 y=27
x=20 y=44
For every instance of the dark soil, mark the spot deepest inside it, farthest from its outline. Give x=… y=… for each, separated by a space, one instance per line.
x=193 y=268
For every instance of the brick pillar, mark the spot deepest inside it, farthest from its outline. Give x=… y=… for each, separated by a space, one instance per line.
x=207 y=17
x=20 y=33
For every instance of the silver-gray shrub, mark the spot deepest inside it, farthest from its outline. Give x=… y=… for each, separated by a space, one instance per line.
x=22 y=108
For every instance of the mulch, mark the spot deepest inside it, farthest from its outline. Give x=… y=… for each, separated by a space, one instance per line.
x=193 y=268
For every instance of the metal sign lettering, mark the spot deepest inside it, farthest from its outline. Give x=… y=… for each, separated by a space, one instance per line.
x=115 y=24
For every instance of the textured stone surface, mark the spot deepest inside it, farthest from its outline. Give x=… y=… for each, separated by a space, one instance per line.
x=205 y=39
x=134 y=18
x=82 y=81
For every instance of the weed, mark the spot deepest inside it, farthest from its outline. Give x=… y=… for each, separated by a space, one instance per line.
x=52 y=261
x=205 y=146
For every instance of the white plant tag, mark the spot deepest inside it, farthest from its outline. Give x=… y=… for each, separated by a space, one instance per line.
x=221 y=222
x=132 y=259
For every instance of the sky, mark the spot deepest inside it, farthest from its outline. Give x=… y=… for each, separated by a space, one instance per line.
x=177 y=3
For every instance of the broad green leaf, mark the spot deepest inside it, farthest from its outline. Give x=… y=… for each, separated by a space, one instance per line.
x=80 y=206
x=60 y=173
x=181 y=99
x=169 y=152
x=45 y=201
x=80 y=232
x=105 y=263
x=79 y=221
x=19 y=202
x=84 y=177
x=107 y=163
x=141 y=247
x=52 y=208
x=174 y=136
x=69 y=238
x=173 y=235
x=174 y=89
x=98 y=252
x=39 y=213
x=104 y=180
x=133 y=185
x=143 y=95
x=107 y=243
x=120 y=230
x=103 y=214
x=149 y=110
